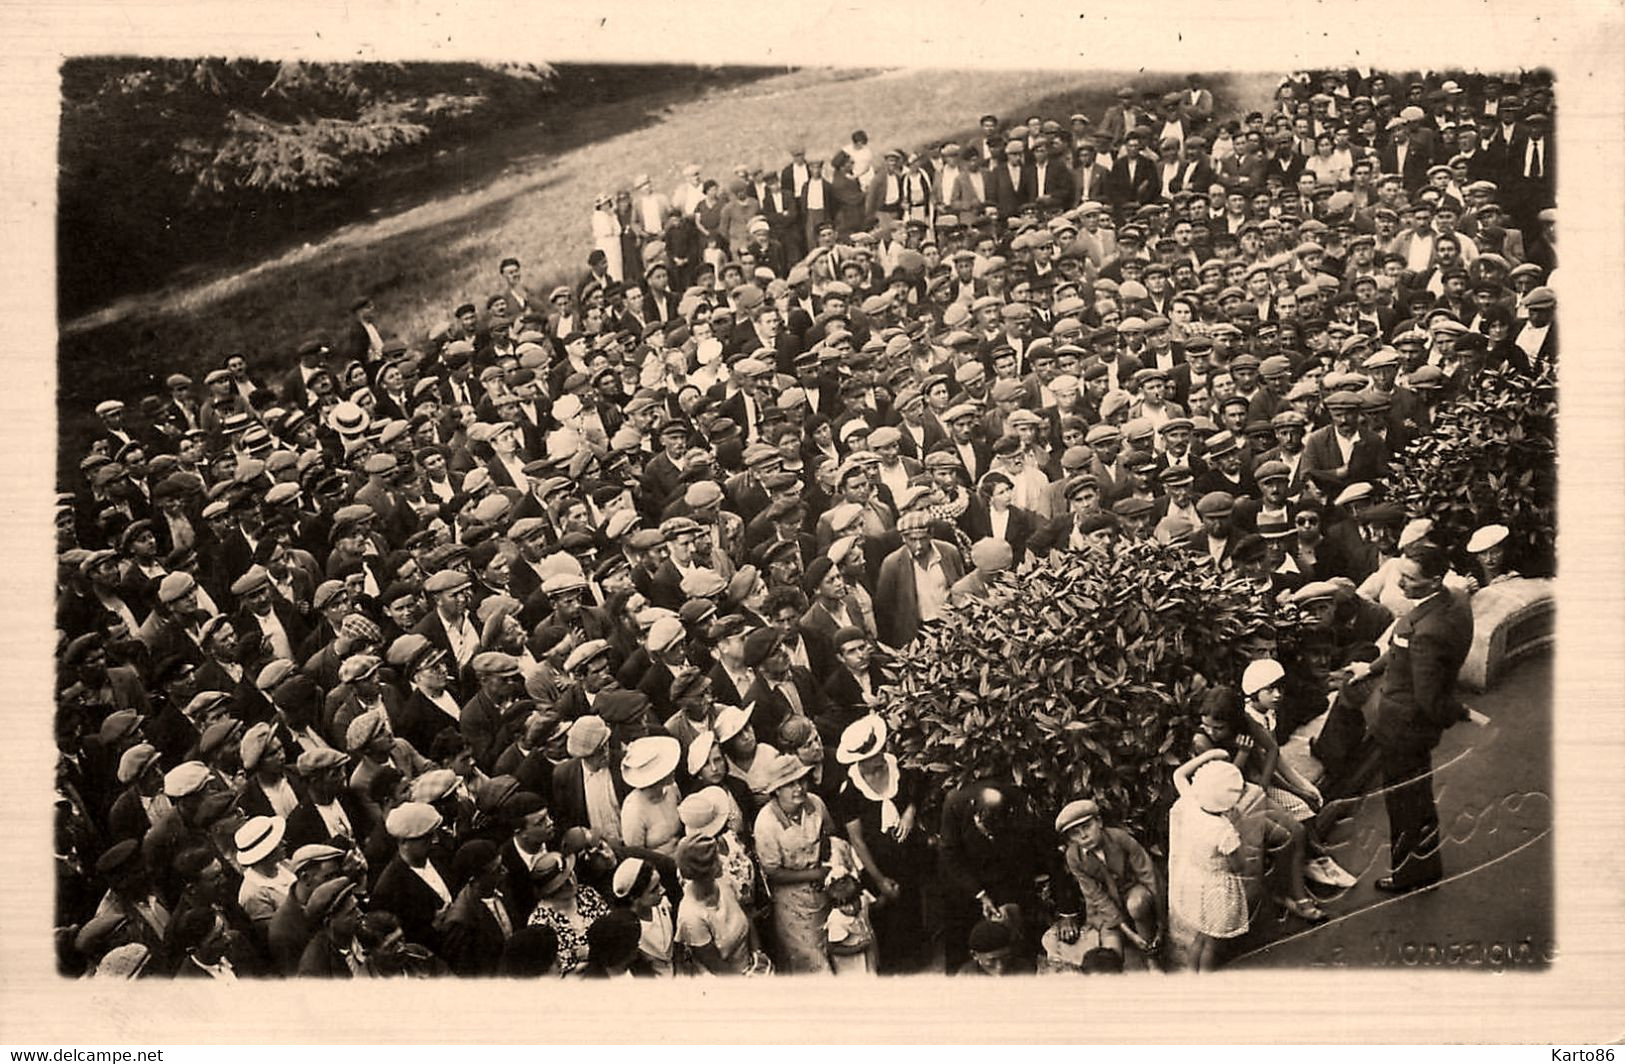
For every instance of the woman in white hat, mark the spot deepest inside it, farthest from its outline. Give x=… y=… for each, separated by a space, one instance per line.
x=606 y=234
x=706 y=814
x=1488 y=547
x=1207 y=897
x=649 y=814
x=748 y=759
x=877 y=803
x=708 y=767
x=1263 y=685
x=1382 y=586
x=791 y=834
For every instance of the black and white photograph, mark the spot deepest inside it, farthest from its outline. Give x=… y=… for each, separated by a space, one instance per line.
x=834 y=525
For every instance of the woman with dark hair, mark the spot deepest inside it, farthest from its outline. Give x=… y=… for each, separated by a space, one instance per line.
x=707 y=218
x=1496 y=325
x=566 y=906
x=1312 y=553
x=848 y=193
x=818 y=442
x=711 y=925
x=532 y=952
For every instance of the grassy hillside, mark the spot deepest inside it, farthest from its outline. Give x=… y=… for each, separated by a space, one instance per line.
x=528 y=193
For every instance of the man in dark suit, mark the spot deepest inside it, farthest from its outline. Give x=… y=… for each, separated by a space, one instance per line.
x=995 y=851
x=481 y=918
x=1282 y=160
x=815 y=203
x=659 y=302
x=266 y=615
x=914 y=581
x=1403 y=156
x=1007 y=187
x=1195 y=172
x=493 y=717
x=1535 y=343
x=361 y=341
x=1093 y=180
x=330 y=814
x=1134 y=177
x=414 y=886
x=1047 y=176
x=1529 y=172
x=313 y=356
x=783 y=219
x=1416 y=703
x=1324 y=448
x=853 y=681
x=781 y=690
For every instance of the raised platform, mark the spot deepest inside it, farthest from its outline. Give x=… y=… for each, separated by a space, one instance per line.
x=1511 y=620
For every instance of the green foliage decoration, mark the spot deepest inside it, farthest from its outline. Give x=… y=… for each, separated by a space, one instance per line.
x=1084 y=676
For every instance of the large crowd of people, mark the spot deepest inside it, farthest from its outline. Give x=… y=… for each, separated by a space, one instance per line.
x=549 y=643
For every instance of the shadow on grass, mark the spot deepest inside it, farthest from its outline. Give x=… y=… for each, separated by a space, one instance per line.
x=266 y=318
x=120 y=255
x=129 y=358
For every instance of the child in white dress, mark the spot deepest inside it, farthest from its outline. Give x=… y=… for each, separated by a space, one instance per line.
x=852 y=947
x=1207 y=899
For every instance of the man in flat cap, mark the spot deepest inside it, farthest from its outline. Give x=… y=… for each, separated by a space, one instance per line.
x=448 y=625
x=1344 y=448
x=414 y=885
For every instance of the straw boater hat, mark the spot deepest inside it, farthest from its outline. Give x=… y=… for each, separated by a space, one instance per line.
x=257 y=839
x=699 y=752
x=862 y=739
x=649 y=760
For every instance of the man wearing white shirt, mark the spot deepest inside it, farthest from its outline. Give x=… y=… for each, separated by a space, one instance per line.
x=863 y=159
x=651 y=207
x=1290 y=427
x=688 y=196
x=893 y=471
x=793 y=178
x=505 y=443
x=603 y=805
x=412 y=886
x=326 y=791
x=253 y=589
x=450 y=589
x=363 y=310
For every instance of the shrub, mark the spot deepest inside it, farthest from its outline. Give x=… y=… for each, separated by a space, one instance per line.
x=1085 y=679
x=1491 y=458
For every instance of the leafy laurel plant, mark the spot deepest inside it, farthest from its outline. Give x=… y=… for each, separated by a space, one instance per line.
x=1084 y=676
